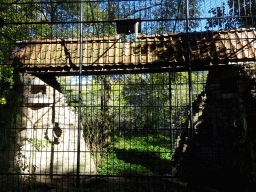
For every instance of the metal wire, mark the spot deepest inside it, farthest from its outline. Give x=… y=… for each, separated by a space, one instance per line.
x=86 y=104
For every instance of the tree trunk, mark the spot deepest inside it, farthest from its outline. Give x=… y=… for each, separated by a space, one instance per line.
x=106 y=109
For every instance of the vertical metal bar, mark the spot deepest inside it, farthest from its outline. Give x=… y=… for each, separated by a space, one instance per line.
x=51 y=161
x=189 y=75
x=102 y=100
x=53 y=107
x=80 y=96
x=170 y=98
x=52 y=144
x=187 y=15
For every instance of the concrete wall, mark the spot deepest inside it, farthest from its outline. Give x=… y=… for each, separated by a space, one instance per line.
x=50 y=135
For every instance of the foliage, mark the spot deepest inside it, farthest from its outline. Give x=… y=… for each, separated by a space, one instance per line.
x=147 y=95
x=169 y=16
x=67 y=89
x=38 y=144
x=46 y=14
x=12 y=32
x=95 y=133
x=9 y=113
x=95 y=12
x=149 y=102
x=43 y=13
x=236 y=14
x=143 y=102
x=176 y=10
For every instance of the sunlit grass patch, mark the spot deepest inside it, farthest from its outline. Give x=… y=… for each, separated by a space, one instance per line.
x=133 y=155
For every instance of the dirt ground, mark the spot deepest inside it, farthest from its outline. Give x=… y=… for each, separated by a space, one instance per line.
x=112 y=184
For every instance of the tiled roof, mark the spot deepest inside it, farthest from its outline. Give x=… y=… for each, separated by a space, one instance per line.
x=149 y=52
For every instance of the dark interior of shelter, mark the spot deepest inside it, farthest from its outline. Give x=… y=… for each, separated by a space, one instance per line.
x=126 y=95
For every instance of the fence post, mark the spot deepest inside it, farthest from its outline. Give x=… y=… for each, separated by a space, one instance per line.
x=80 y=96
x=189 y=75
x=170 y=98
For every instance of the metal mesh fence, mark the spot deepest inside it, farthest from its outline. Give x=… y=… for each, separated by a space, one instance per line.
x=116 y=95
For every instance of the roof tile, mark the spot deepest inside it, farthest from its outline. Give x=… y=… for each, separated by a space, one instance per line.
x=238 y=44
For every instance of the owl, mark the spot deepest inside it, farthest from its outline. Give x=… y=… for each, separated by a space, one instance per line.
x=57 y=130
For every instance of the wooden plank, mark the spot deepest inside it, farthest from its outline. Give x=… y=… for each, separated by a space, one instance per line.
x=48 y=55
x=37 y=55
x=43 y=54
x=252 y=42
x=101 y=54
x=71 y=52
x=95 y=52
x=106 y=53
x=223 y=46
x=237 y=47
x=58 y=55
x=126 y=53
x=172 y=50
x=86 y=54
x=111 y=53
x=119 y=56
x=54 y=54
x=27 y=55
x=246 y=47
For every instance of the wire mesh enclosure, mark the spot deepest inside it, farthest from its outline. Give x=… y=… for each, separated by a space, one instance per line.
x=114 y=95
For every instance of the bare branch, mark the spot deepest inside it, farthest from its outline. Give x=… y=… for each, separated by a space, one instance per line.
x=136 y=11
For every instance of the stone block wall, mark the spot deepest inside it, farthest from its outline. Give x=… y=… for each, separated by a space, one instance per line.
x=222 y=153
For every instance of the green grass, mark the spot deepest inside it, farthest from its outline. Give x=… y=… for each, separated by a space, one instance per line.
x=138 y=155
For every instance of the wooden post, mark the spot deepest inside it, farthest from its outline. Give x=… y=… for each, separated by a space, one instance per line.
x=136 y=30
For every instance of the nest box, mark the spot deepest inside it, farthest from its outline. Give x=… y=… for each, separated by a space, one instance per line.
x=38 y=93
x=128 y=26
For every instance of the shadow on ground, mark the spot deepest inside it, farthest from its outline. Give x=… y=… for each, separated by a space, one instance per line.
x=149 y=160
